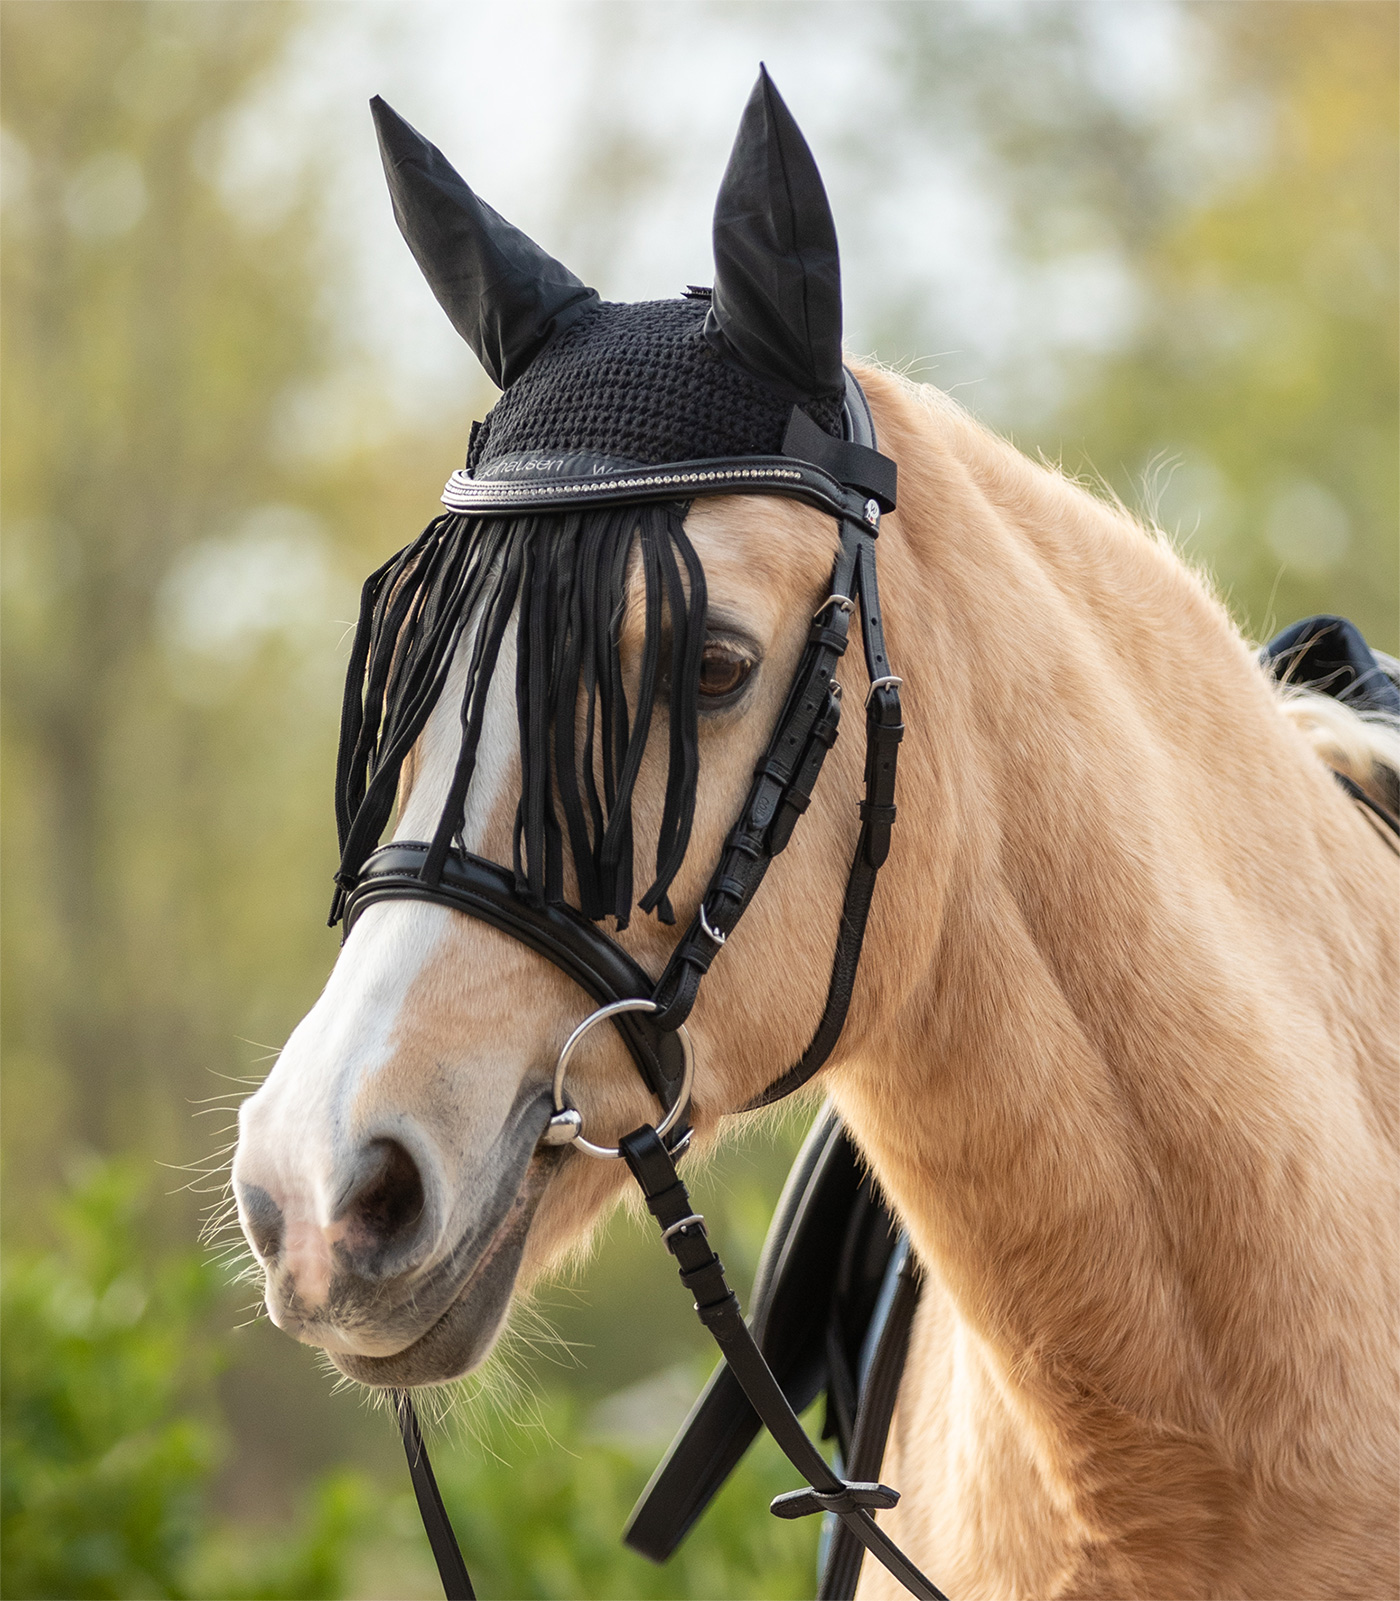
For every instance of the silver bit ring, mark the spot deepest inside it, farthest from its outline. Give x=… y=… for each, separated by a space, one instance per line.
x=565 y=1124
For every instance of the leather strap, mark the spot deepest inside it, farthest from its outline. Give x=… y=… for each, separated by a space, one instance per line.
x=717 y=1307
x=792 y=1292
x=452 y=1570
x=744 y=475
x=884 y=729
x=860 y=466
x=781 y=786
x=1389 y=819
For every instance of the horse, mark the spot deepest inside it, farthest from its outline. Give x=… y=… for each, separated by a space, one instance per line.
x=1121 y=1055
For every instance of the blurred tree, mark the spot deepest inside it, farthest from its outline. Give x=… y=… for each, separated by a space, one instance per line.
x=179 y=573
x=1265 y=359
x=178 y=579
x=149 y=332
x=1236 y=216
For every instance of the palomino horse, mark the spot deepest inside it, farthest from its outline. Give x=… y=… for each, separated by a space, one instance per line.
x=1122 y=1054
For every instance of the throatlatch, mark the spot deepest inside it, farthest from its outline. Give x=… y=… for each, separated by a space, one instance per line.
x=613 y=421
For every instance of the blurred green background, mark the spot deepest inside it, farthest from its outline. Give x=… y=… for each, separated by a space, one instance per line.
x=1154 y=241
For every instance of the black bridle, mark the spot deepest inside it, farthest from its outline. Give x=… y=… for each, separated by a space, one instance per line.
x=850 y=480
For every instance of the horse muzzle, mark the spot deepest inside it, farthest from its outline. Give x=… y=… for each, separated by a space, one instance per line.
x=394 y=1287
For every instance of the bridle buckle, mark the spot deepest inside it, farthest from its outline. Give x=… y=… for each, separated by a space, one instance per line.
x=890 y=681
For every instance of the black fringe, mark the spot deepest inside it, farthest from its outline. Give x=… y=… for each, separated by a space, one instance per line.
x=567 y=574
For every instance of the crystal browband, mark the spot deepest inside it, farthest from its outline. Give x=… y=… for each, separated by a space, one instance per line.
x=751 y=475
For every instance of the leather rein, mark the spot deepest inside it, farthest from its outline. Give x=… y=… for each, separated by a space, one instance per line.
x=849 y=479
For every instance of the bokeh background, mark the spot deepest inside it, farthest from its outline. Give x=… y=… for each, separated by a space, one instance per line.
x=1153 y=240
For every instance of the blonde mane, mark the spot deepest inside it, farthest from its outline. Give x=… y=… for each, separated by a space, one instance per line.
x=1363 y=747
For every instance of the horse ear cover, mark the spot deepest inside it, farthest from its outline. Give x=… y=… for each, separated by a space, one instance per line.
x=506 y=297
x=776 y=309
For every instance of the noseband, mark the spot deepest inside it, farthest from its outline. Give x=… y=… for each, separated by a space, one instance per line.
x=849 y=479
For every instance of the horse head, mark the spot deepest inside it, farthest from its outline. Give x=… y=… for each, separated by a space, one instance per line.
x=566 y=695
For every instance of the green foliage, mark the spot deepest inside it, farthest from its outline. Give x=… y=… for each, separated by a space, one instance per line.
x=102 y=1464
x=540 y=1513
x=111 y=1439
x=310 y=1563
x=110 y=1434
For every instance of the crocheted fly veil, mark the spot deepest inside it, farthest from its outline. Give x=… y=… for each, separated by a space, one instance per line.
x=591 y=389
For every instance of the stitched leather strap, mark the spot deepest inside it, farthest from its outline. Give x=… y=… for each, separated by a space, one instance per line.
x=781 y=787
x=717 y=1307
x=878 y=1394
x=884 y=729
x=486 y=890
x=793 y=1287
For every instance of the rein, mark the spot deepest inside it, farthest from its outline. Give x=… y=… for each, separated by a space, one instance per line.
x=849 y=479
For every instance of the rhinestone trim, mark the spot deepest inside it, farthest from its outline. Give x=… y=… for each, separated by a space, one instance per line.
x=463 y=491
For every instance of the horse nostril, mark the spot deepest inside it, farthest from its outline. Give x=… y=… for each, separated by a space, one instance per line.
x=262 y=1219
x=386 y=1200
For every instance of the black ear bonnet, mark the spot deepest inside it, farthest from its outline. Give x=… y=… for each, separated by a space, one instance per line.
x=612 y=418
x=638 y=385
x=663 y=381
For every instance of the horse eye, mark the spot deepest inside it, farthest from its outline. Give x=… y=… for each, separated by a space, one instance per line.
x=723 y=668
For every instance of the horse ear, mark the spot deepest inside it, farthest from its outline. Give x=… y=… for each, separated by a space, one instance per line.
x=505 y=296
x=776 y=309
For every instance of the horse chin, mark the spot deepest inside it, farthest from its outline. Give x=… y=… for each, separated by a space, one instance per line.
x=462 y=1337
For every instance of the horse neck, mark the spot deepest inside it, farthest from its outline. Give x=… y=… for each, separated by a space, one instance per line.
x=1123 y=1052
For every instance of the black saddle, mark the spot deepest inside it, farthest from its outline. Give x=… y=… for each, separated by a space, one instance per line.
x=832 y=1304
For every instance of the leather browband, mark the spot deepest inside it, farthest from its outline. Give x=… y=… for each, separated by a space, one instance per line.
x=747 y=475
x=839 y=476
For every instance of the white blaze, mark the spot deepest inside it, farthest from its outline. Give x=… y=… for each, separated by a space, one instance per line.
x=297 y=1133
